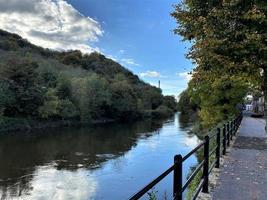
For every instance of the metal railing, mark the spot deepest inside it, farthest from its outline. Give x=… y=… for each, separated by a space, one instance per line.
x=223 y=135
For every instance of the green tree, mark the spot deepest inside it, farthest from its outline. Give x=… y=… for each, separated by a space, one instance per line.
x=170 y=102
x=72 y=57
x=124 y=100
x=186 y=105
x=6 y=96
x=92 y=96
x=24 y=83
x=67 y=110
x=54 y=107
x=151 y=96
x=63 y=86
x=228 y=38
x=51 y=105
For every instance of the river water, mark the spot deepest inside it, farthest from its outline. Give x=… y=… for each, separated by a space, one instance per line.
x=103 y=162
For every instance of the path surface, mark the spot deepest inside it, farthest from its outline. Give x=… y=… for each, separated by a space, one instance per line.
x=244 y=173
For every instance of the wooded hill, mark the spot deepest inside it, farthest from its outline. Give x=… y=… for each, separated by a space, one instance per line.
x=39 y=83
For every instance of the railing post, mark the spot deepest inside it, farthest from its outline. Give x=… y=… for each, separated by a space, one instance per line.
x=218 y=149
x=231 y=128
x=235 y=125
x=228 y=135
x=178 y=177
x=224 y=139
x=205 y=188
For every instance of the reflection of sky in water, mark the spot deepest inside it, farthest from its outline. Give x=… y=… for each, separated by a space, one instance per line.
x=114 y=175
x=191 y=141
x=52 y=184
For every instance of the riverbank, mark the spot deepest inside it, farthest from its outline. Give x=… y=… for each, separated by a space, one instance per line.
x=22 y=124
x=8 y=124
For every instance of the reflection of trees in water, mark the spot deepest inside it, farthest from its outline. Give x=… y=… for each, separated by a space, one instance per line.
x=188 y=119
x=184 y=120
x=67 y=148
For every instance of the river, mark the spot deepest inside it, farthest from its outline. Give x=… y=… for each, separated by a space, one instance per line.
x=110 y=161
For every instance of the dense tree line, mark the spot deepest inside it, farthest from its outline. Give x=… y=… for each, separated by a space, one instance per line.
x=229 y=49
x=43 y=84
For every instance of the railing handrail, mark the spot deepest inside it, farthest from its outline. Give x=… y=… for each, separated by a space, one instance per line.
x=153 y=183
x=227 y=130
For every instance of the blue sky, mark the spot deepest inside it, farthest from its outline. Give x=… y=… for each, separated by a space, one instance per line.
x=136 y=33
x=139 y=35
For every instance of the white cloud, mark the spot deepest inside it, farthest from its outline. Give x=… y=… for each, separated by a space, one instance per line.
x=122 y=51
x=129 y=61
x=51 y=24
x=185 y=75
x=152 y=74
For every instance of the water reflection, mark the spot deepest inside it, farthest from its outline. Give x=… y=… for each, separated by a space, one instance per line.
x=89 y=163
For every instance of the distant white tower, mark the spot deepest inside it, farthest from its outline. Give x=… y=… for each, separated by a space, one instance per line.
x=159 y=84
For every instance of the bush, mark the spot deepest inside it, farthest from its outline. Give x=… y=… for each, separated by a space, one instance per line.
x=162 y=112
x=23 y=80
x=7 y=123
x=50 y=108
x=170 y=102
x=6 y=96
x=92 y=96
x=67 y=109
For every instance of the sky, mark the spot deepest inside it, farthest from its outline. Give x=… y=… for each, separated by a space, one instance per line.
x=137 y=34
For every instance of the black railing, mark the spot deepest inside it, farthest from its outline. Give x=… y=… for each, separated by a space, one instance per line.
x=223 y=134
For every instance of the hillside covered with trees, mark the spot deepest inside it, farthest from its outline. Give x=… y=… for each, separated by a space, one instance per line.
x=41 y=84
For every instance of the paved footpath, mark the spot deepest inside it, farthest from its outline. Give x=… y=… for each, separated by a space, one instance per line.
x=244 y=173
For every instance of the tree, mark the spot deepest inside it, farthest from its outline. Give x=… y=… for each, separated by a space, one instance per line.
x=229 y=38
x=151 y=97
x=6 y=96
x=72 y=57
x=186 y=105
x=67 y=110
x=23 y=82
x=124 y=100
x=63 y=86
x=51 y=105
x=54 y=107
x=170 y=102
x=92 y=96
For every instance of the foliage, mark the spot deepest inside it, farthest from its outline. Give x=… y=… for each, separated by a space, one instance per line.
x=6 y=96
x=124 y=100
x=67 y=110
x=162 y=112
x=218 y=98
x=71 y=58
x=7 y=123
x=23 y=82
x=186 y=104
x=229 y=48
x=170 y=102
x=40 y=83
x=91 y=94
x=152 y=195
